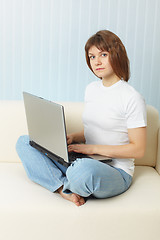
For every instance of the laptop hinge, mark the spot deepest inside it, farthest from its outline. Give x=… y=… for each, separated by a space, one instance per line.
x=52 y=156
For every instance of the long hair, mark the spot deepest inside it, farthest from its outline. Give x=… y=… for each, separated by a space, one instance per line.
x=107 y=41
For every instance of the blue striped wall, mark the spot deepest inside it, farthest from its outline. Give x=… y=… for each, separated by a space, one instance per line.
x=42 y=45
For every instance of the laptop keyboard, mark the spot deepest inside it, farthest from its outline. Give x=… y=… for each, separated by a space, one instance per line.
x=73 y=156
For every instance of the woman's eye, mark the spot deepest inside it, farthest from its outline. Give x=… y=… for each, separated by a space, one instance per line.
x=92 y=57
x=104 y=54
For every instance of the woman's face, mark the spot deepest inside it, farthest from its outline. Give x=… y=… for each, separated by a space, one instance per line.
x=100 y=64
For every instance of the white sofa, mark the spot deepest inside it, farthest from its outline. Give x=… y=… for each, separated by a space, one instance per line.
x=30 y=212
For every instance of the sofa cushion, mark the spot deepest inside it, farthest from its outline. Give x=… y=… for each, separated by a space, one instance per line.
x=28 y=211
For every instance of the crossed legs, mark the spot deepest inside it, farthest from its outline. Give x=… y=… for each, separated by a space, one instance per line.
x=81 y=179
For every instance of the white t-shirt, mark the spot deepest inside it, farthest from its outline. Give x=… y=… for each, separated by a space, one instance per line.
x=109 y=112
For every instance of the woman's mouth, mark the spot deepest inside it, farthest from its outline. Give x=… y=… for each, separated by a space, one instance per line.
x=99 y=69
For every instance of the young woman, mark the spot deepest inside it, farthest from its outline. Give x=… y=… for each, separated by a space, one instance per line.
x=114 y=121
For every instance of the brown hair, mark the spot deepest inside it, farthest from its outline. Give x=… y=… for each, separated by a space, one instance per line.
x=107 y=41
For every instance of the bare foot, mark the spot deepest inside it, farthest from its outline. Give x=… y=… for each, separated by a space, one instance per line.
x=73 y=197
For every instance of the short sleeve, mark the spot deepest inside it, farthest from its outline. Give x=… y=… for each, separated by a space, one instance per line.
x=136 y=115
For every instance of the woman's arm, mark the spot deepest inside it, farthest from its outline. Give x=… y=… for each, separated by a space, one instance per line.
x=135 y=148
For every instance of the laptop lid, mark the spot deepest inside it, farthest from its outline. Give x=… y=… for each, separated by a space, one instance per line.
x=46 y=125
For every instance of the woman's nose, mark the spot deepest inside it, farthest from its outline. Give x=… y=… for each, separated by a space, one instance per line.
x=98 y=61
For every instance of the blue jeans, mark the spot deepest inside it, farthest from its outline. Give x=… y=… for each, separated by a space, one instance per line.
x=85 y=176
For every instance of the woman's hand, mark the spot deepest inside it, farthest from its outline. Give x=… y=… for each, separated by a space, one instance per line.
x=70 y=139
x=76 y=137
x=81 y=148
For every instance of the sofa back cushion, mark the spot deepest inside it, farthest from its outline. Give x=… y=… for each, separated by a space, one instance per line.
x=74 y=111
x=13 y=124
x=153 y=124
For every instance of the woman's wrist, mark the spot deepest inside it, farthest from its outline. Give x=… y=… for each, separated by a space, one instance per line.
x=101 y=150
x=73 y=136
x=78 y=137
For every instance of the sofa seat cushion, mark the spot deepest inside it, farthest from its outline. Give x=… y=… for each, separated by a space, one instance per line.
x=26 y=207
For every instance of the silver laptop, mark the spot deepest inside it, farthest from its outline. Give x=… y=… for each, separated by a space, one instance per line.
x=47 y=130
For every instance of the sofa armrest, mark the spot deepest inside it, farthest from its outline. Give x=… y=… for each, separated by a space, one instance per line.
x=158 y=153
